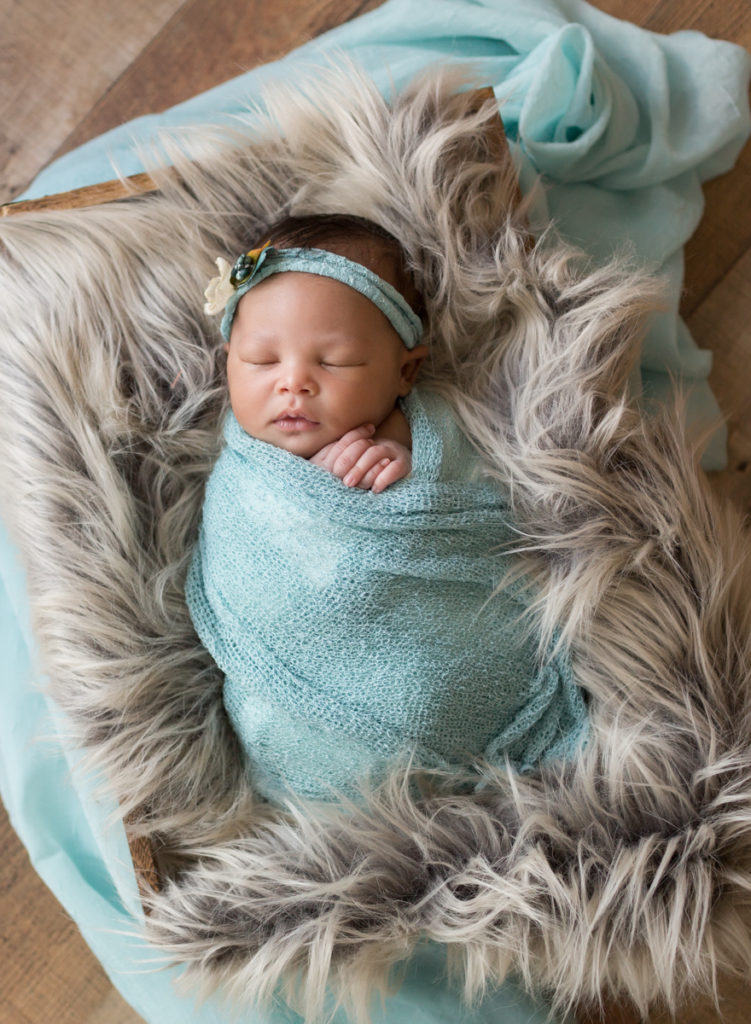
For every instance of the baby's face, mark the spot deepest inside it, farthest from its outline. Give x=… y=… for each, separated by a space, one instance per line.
x=310 y=358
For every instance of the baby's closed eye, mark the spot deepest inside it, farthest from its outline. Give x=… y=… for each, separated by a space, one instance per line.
x=256 y=355
x=340 y=364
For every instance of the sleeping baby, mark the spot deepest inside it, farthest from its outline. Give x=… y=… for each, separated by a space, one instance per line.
x=347 y=574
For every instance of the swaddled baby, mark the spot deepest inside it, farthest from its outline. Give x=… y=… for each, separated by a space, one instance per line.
x=345 y=574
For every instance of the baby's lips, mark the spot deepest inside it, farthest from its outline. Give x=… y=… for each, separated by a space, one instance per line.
x=291 y=422
x=295 y=414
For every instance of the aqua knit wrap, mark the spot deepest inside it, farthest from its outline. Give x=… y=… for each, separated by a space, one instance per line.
x=354 y=627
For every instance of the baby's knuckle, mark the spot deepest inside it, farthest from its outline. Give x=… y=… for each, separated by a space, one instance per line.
x=347 y=458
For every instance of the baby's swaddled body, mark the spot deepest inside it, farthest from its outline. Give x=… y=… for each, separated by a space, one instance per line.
x=354 y=628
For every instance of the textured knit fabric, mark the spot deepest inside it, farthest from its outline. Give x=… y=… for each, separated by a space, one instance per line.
x=354 y=627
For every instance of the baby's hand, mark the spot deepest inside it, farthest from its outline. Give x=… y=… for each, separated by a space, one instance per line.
x=361 y=460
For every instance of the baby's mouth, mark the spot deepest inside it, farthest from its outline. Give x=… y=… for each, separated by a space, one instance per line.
x=291 y=422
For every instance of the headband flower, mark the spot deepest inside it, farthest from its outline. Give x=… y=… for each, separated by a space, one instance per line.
x=221 y=288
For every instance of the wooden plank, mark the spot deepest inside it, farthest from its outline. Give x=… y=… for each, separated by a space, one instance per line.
x=112 y=1010
x=89 y=195
x=724 y=233
x=721 y=323
x=233 y=39
x=57 y=60
x=727 y=20
x=734 y=998
x=637 y=11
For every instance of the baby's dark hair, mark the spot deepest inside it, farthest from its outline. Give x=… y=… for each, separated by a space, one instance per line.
x=355 y=238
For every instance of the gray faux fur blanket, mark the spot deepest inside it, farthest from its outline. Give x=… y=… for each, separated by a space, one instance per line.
x=627 y=872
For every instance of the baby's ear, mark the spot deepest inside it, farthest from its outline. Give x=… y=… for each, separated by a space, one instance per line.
x=411 y=363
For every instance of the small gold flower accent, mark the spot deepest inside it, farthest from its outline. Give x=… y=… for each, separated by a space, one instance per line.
x=247 y=263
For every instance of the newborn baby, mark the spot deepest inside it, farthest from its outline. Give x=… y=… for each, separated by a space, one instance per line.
x=315 y=367
x=345 y=574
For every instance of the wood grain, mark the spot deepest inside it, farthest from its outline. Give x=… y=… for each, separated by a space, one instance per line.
x=233 y=39
x=721 y=323
x=57 y=61
x=89 y=195
x=726 y=20
x=733 y=1003
x=723 y=235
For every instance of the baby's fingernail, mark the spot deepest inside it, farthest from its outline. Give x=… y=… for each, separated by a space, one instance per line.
x=349 y=479
x=370 y=427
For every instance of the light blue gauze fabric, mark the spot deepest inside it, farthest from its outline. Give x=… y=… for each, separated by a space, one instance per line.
x=354 y=627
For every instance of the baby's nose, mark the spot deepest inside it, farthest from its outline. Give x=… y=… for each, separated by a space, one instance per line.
x=296 y=380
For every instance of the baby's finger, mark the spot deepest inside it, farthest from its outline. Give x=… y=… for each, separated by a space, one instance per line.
x=352 y=454
x=395 y=470
x=365 y=462
x=370 y=477
x=356 y=434
x=319 y=459
x=328 y=456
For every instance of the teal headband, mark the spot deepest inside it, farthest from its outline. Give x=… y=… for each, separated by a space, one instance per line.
x=255 y=266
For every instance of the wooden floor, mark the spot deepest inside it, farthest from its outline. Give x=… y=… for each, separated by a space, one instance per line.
x=69 y=72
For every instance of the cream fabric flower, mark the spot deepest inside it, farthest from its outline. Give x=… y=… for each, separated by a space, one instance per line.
x=219 y=289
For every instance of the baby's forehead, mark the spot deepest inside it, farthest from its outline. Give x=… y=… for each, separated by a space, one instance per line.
x=307 y=301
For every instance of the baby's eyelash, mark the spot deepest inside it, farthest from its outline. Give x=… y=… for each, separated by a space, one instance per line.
x=324 y=362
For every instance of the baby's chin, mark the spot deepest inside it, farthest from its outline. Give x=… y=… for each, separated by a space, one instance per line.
x=304 y=442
